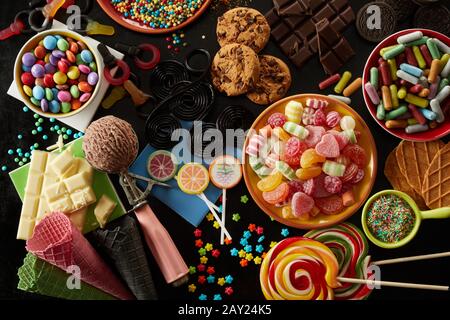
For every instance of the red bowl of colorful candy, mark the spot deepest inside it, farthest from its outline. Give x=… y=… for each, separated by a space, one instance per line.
x=406 y=84
x=57 y=73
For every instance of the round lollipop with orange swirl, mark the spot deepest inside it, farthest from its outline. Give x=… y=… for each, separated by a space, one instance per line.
x=299 y=269
x=350 y=247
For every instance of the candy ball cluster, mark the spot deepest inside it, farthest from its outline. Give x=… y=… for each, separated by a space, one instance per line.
x=158 y=14
x=59 y=74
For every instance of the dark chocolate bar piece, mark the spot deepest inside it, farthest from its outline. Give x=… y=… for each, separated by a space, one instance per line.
x=334 y=50
x=293 y=24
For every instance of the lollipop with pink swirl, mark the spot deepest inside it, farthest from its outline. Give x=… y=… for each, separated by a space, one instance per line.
x=299 y=269
x=350 y=248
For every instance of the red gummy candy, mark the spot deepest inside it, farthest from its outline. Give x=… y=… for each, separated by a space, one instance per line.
x=292 y=161
x=277 y=119
x=315 y=187
x=301 y=204
x=295 y=147
x=294 y=187
x=332 y=184
x=330 y=205
x=358 y=177
x=350 y=172
x=357 y=154
x=320 y=118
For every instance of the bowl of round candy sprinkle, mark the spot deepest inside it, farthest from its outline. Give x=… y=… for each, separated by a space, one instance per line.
x=406 y=84
x=154 y=17
x=57 y=73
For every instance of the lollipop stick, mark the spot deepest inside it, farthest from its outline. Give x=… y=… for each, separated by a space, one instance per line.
x=203 y=197
x=224 y=203
x=393 y=284
x=413 y=258
x=213 y=205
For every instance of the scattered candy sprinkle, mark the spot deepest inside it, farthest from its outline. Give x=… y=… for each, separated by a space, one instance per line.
x=216 y=225
x=203 y=260
x=229 y=291
x=221 y=281
x=210 y=217
x=192 y=287
x=211 y=279
x=217 y=297
x=244 y=199
x=208 y=246
x=390 y=218
x=203 y=297
x=236 y=217
x=192 y=270
x=284 y=232
x=257 y=260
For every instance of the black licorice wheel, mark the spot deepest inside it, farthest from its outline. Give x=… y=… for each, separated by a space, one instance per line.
x=194 y=103
x=234 y=117
x=199 y=141
x=165 y=76
x=159 y=129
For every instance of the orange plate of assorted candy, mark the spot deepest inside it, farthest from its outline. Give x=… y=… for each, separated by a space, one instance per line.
x=309 y=161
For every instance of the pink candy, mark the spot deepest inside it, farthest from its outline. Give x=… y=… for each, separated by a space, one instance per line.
x=254 y=145
x=84 y=69
x=85 y=97
x=333 y=118
x=372 y=93
x=64 y=96
x=316 y=103
x=308 y=116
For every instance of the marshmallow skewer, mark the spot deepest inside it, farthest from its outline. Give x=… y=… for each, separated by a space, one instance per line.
x=413 y=258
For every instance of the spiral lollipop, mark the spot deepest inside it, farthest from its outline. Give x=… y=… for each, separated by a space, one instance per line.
x=299 y=269
x=350 y=248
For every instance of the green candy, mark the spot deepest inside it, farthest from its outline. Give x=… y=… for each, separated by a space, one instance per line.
x=418 y=42
x=381 y=113
x=285 y=169
x=433 y=49
x=374 y=77
x=395 y=51
x=350 y=134
x=93 y=66
x=35 y=101
x=333 y=168
x=79 y=60
x=396 y=113
x=74 y=91
x=65 y=107
x=444 y=82
x=48 y=94
x=62 y=45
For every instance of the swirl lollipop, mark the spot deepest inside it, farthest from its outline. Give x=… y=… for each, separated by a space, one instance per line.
x=299 y=269
x=350 y=248
x=225 y=173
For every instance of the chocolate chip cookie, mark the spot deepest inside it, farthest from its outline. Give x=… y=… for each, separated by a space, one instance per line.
x=235 y=69
x=245 y=26
x=274 y=81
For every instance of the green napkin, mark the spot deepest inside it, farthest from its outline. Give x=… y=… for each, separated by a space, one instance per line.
x=38 y=276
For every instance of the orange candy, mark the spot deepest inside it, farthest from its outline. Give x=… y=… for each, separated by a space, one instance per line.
x=71 y=56
x=308 y=173
x=84 y=86
x=278 y=195
x=310 y=157
x=73 y=47
x=76 y=104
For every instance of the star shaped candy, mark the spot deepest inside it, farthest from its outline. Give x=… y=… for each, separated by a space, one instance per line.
x=243 y=263
x=229 y=279
x=229 y=291
x=249 y=257
x=234 y=252
x=199 y=243
x=217 y=297
x=202 y=251
x=257 y=260
x=221 y=281
x=242 y=253
x=215 y=253
x=284 y=232
x=252 y=227
x=211 y=279
x=210 y=217
x=216 y=225
x=236 y=217
x=197 y=233
x=244 y=199
x=204 y=260
x=192 y=270
x=203 y=297
x=192 y=287
x=208 y=246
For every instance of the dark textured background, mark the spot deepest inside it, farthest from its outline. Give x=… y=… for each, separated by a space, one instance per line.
x=433 y=235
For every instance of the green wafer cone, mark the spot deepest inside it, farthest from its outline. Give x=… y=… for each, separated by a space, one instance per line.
x=38 y=276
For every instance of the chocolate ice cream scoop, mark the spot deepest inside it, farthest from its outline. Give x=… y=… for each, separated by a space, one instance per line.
x=110 y=144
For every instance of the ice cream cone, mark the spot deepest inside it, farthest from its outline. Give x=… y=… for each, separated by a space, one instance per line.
x=122 y=243
x=38 y=276
x=58 y=242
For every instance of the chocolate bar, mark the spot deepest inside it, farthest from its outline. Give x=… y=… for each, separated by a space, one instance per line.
x=293 y=24
x=334 y=50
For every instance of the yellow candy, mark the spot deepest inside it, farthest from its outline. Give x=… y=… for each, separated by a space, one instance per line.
x=394 y=95
x=269 y=183
x=310 y=157
x=294 y=111
x=393 y=68
x=280 y=134
x=401 y=94
x=28 y=91
x=308 y=173
x=286 y=212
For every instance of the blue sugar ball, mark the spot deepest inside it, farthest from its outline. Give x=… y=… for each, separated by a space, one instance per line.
x=25 y=109
x=10 y=151
x=19 y=136
x=4 y=168
x=45 y=137
x=39 y=129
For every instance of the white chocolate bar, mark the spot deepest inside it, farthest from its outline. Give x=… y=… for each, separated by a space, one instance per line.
x=49 y=171
x=105 y=206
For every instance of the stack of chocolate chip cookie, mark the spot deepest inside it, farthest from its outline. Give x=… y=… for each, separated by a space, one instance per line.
x=237 y=69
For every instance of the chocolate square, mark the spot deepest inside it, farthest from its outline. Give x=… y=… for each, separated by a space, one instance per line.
x=325 y=13
x=338 y=24
x=348 y=15
x=271 y=17
x=280 y=32
x=290 y=45
x=306 y=30
x=330 y=62
x=338 y=5
x=301 y=56
x=343 y=50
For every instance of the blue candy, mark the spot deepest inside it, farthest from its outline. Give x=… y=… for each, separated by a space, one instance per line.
x=86 y=56
x=50 y=42
x=38 y=92
x=430 y=115
x=54 y=106
x=412 y=70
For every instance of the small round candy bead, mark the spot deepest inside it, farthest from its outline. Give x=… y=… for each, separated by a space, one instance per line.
x=19 y=136
x=4 y=168
x=62 y=66
x=71 y=56
x=39 y=82
x=27 y=78
x=93 y=66
x=62 y=44
x=58 y=54
x=10 y=151
x=65 y=107
x=28 y=59
x=44 y=105
x=86 y=56
x=45 y=137
x=64 y=96
x=59 y=78
x=28 y=91
x=75 y=92
x=85 y=97
x=84 y=86
x=54 y=106
x=92 y=78
x=50 y=42
x=25 y=109
x=39 y=52
x=84 y=69
x=40 y=129
x=37 y=71
x=38 y=92
x=49 y=68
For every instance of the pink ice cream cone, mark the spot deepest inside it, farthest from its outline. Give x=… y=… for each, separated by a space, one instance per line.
x=58 y=242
